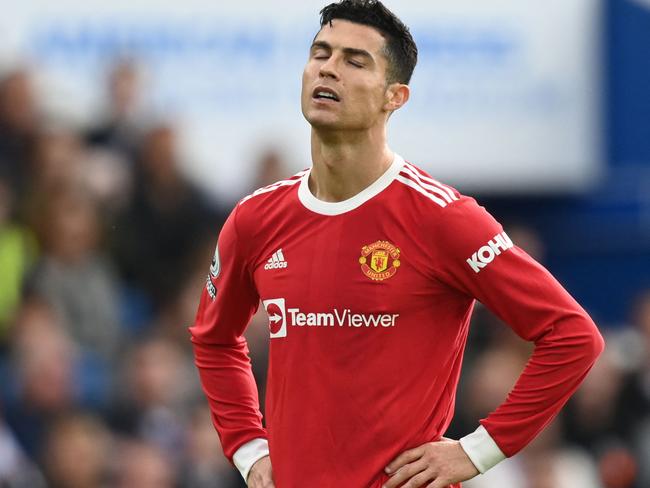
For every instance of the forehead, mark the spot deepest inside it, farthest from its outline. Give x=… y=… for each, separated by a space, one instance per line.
x=345 y=34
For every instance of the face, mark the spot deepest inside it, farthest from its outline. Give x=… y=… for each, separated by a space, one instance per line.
x=344 y=82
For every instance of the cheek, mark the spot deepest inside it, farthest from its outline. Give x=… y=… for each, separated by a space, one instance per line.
x=304 y=82
x=309 y=73
x=370 y=99
x=305 y=77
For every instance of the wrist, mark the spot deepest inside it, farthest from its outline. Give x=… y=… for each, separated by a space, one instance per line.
x=482 y=450
x=248 y=454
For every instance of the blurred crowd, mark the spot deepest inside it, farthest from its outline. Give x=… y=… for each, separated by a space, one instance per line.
x=104 y=249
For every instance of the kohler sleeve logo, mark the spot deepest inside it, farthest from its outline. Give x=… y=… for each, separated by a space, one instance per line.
x=486 y=254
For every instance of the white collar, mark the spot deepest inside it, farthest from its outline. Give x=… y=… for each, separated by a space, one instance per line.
x=337 y=208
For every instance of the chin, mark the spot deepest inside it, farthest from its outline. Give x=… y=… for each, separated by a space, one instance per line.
x=323 y=121
x=320 y=125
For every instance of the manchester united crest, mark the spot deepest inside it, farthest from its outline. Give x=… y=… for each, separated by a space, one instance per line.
x=380 y=260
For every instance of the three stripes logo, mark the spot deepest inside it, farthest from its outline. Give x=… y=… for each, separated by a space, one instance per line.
x=276 y=261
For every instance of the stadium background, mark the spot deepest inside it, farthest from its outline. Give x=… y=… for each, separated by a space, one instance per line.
x=128 y=131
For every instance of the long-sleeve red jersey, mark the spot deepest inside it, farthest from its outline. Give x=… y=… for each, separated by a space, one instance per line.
x=369 y=302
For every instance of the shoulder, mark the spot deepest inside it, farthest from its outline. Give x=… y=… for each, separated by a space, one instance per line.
x=440 y=204
x=278 y=190
x=427 y=190
x=249 y=211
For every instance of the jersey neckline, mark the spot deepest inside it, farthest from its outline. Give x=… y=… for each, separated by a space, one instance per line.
x=337 y=208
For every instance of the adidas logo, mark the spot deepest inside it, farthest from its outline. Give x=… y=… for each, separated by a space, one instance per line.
x=276 y=261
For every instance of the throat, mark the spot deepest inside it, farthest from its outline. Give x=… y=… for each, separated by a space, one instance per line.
x=339 y=182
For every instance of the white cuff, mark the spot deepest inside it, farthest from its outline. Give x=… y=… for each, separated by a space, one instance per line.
x=248 y=454
x=482 y=450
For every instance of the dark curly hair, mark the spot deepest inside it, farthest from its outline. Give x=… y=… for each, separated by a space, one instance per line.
x=400 y=48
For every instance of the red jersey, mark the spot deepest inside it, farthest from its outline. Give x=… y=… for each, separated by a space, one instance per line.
x=369 y=302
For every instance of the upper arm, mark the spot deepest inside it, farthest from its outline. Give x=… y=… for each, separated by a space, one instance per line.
x=477 y=257
x=229 y=299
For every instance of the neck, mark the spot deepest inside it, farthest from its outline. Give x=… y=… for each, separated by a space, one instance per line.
x=345 y=163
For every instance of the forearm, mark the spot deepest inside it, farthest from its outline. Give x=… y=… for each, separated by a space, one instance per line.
x=561 y=359
x=228 y=382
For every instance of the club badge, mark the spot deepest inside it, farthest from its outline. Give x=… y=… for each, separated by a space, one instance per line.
x=380 y=260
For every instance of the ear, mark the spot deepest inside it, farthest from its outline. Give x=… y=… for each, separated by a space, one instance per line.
x=397 y=94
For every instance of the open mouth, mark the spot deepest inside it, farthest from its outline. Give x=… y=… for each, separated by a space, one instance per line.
x=325 y=94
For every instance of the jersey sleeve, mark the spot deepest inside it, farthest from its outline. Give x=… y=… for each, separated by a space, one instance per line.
x=228 y=302
x=477 y=258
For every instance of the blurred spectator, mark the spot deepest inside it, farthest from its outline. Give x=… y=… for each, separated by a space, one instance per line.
x=143 y=465
x=76 y=452
x=73 y=274
x=178 y=312
x=592 y=417
x=634 y=408
x=618 y=467
x=18 y=126
x=113 y=142
x=40 y=385
x=109 y=179
x=17 y=252
x=202 y=468
x=610 y=413
x=528 y=239
x=60 y=159
x=56 y=160
x=122 y=122
x=153 y=394
x=643 y=451
x=16 y=470
x=166 y=222
x=270 y=168
x=484 y=386
x=546 y=463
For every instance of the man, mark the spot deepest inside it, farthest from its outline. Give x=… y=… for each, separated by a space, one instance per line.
x=368 y=270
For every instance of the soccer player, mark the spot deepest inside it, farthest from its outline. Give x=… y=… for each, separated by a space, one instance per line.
x=368 y=269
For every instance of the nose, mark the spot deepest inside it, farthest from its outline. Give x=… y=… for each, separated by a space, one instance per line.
x=329 y=69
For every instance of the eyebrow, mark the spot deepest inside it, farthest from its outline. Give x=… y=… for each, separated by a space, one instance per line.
x=350 y=51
